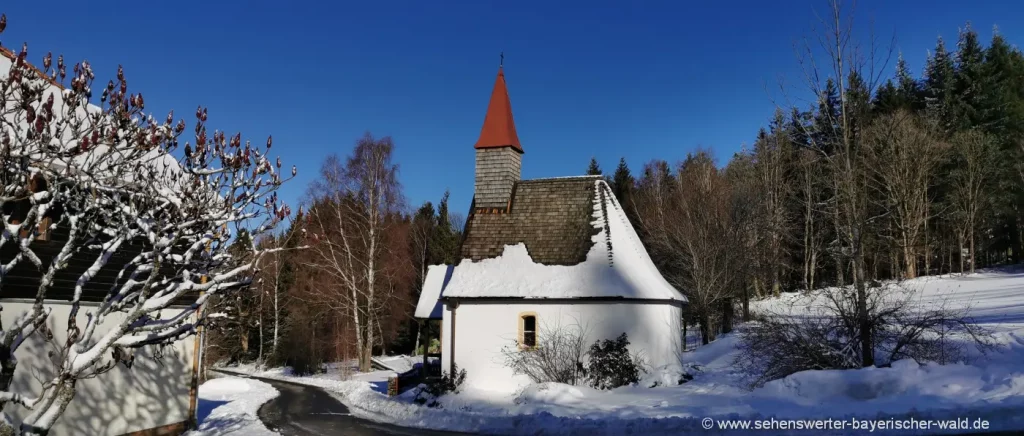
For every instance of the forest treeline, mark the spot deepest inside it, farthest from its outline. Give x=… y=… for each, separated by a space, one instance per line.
x=882 y=178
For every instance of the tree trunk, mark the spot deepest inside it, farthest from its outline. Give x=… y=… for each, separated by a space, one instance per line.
x=277 y=319
x=814 y=263
x=705 y=329
x=727 y=310
x=910 y=260
x=960 y=254
x=973 y=260
x=746 y=303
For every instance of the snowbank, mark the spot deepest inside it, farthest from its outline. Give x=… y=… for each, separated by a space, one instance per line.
x=228 y=405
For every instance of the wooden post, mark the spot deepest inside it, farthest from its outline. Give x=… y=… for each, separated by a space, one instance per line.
x=425 y=340
x=451 y=347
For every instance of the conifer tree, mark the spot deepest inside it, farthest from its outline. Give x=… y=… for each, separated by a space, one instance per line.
x=938 y=85
x=969 y=82
x=622 y=183
x=907 y=87
x=594 y=169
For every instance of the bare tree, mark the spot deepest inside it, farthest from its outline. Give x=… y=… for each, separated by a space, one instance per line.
x=559 y=355
x=856 y=73
x=771 y=153
x=687 y=218
x=352 y=208
x=903 y=152
x=785 y=342
x=103 y=176
x=974 y=154
x=811 y=201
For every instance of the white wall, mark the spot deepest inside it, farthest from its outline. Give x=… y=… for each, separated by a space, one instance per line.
x=482 y=329
x=153 y=393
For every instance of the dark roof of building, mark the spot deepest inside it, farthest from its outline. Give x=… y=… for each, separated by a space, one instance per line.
x=552 y=217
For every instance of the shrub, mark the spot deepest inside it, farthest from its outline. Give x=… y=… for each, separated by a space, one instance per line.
x=435 y=388
x=557 y=356
x=610 y=364
x=829 y=337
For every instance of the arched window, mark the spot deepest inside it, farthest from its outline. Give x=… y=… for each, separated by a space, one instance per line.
x=528 y=330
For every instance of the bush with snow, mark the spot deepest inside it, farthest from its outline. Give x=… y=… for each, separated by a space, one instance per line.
x=826 y=334
x=448 y=383
x=610 y=364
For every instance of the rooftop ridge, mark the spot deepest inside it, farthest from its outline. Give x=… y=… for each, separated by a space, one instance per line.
x=546 y=179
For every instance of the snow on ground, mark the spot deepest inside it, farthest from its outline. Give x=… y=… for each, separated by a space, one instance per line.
x=228 y=405
x=987 y=387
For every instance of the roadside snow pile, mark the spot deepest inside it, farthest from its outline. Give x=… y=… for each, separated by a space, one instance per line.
x=228 y=405
x=987 y=387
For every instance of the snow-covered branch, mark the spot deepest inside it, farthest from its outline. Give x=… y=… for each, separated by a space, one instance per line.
x=112 y=187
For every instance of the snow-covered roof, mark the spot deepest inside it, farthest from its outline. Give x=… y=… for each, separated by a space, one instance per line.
x=616 y=265
x=429 y=306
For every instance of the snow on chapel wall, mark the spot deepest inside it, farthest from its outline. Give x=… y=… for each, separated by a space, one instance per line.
x=482 y=329
x=153 y=393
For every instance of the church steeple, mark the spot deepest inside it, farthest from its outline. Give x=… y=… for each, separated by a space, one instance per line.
x=499 y=156
x=499 y=129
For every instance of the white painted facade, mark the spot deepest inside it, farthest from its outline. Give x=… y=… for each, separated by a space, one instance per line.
x=483 y=328
x=153 y=393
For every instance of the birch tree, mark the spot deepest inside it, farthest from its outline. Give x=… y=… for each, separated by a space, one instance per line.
x=101 y=174
x=352 y=209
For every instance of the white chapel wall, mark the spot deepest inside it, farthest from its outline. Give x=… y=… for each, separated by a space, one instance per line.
x=482 y=329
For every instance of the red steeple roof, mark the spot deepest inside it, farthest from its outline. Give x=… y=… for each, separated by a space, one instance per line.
x=499 y=129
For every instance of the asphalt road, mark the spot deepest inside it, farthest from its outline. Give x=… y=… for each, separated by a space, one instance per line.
x=307 y=410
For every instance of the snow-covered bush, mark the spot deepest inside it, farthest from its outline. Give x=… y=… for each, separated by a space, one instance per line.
x=448 y=383
x=99 y=182
x=610 y=364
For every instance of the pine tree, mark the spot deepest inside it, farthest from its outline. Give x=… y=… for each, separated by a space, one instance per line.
x=444 y=244
x=969 y=82
x=825 y=126
x=594 y=169
x=887 y=98
x=623 y=183
x=1003 y=99
x=938 y=86
x=908 y=88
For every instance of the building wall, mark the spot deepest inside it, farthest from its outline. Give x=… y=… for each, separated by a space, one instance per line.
x=497 y=170
x=153 y=393
x=482 y=329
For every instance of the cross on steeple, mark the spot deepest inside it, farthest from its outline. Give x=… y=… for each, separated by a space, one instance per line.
x=502 y=63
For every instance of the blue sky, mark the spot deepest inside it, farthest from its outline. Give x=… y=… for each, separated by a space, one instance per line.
x=609 y=79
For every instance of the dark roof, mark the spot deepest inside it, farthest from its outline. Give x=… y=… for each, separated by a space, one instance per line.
x=552 y=217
